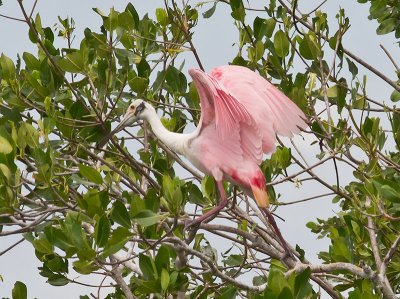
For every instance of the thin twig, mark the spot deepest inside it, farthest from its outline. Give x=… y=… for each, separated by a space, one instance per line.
x=12 y=246
x=389 y=256
x=33 y=8
x=390 y=57
x=12 y=18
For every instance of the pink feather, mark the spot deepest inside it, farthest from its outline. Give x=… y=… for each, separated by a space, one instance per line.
x=241 y=115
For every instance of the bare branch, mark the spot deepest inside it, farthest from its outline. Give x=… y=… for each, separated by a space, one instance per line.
x=389 y=256
x=12 y=246
x=12 y=18
x=116 y=274
x=391 y=58
x=371 y=231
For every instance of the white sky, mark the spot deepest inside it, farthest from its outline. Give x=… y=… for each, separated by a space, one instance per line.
x=214 y=39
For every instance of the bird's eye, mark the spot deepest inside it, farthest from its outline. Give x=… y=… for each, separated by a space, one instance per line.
x=132 y=107
x=139 y=108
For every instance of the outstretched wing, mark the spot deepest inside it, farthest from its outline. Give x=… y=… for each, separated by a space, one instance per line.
x=272 y=111
x=225 y=121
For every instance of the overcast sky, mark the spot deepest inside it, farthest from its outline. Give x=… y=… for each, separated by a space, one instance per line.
x=214 y=39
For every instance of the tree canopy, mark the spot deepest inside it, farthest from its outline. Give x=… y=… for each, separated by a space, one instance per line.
x=119 y=211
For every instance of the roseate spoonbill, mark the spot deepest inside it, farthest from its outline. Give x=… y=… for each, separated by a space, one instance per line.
x=241 y=113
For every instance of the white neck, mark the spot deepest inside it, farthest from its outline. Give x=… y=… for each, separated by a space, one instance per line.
x=175 y=141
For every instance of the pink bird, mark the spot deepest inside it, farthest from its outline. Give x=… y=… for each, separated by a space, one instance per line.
x=241 y=115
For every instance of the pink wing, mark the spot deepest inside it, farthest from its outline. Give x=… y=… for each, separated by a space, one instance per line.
x=272 y=111
x=226 y=122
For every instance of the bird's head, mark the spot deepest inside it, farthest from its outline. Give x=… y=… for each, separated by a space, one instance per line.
x=137 y=110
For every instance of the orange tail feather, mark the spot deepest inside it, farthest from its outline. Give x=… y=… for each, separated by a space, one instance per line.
x=261 y=196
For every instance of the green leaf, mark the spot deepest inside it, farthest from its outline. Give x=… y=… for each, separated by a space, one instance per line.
x=228 y=293
x=162 y=16
x=27 y=136
x=352 y=68
x=147 y=218
x=195 y=195
x=42 y=245
x=49 y=35
x=387 y=26
x=119 y=237
x=309 y=47
x=58 y=238
x=333 y=91
x=7 y=67
x=208 y=14
x=175 y=80
x=50 y=48
x=159 y=81
x=94 y=202
x=125 y=20
x=57 y=264
x=302 y=287
x=19 y=291
x=58 y=280
x=131 y=9
x=136 y=205
x=389 y=193
x=5 y=146
x=238 y=12
x=32 y=36
x=84 y=266
x=338 y=94
x=277 y=281
x=99 y=12
x=340 y=249
x=208 y=187
x=73 y=62
x=110 y=23
x=120 y=214
x=235 y=4
x=128 y=57
x=90 y=173
x=263 y=27
x=143 y=68
x=286 y=293
x=38 y=25
x=138 y=84
x=31 y=62
x=395 y=96
x=172 y=194
x=164 y=279
x=259 y=280
x=162 y=258
x=102 y=231
x=6 y=172
x=300 y=250
x=147 y=266
x=234 y=260
x=72 y=228
x=256 y=53
x=281 y=44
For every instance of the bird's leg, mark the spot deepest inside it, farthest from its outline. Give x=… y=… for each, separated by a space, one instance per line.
x=283 y=242
x=213 y=212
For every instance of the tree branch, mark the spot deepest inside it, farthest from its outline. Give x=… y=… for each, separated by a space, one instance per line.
x=371 y=231
x=116 y=274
